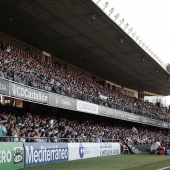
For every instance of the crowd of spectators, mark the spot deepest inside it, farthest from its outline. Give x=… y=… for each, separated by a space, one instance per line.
x=18 y=66
x=37 y=128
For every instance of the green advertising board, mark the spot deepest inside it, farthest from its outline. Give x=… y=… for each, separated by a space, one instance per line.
x=11 y=155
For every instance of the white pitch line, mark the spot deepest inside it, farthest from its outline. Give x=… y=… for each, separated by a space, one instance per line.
x=164 y=168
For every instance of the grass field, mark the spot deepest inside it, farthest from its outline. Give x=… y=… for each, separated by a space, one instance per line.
x=118 y=162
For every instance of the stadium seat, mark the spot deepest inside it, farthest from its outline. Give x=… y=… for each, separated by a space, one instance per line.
x=125 y=150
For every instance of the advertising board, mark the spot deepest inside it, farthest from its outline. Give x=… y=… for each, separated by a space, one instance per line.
x=83 y=150
x=87 y=107
x=4 y=87
x=107 y=149
x=27 y=93
x=45 y=153
x=62 y=101
x=11 y=155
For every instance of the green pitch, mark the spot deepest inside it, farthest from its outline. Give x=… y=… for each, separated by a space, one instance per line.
x=118 y=162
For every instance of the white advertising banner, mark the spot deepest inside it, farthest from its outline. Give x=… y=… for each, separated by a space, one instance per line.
x=83 y=150
x=87 y=107
x=107 y=149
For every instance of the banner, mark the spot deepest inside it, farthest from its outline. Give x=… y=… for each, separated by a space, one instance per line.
x=4 y=87
x=45 y=153
x=62 y=101
x=28 y=93
x=118 y=114
x=11 y=155
x=83 y=150
x=107 y=149
x=109 y=112
x=87 y=107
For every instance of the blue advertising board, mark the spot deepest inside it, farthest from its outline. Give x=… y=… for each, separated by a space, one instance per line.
x=45 y=153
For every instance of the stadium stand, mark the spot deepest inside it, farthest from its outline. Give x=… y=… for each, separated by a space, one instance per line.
x=40 y=128
x=18 y=66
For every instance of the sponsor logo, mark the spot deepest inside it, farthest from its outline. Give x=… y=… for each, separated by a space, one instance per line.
x=115 y=152
x=3 y=87
x=6 y=156
x=83 y=151
x=45 y=154
x=106 y=149
x=87 y=107
x=29 y=93
x=65 y=102
x=17 y=155
x=56 y=100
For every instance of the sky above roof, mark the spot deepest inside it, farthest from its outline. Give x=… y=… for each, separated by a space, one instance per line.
x=150 y=19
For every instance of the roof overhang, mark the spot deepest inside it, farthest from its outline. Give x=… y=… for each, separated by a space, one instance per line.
x=65 y=30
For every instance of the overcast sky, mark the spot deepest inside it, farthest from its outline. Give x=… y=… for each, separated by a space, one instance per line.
x=150 y=19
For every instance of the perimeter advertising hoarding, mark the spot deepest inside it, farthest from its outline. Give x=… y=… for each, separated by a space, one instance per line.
x=83 y=150
x=4 y=87
x=11 y=155
x=87 y=107
x=45 y=153
x=107 y=149
x=62 y=101
x=28 y=93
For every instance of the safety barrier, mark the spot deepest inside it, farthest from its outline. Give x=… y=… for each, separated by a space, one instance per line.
x=17 y=155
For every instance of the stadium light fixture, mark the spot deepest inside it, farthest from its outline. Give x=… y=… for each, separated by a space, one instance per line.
x=146 y=47
x=130 y=30
x=140 y=41
x=111 y=11
x=137 y=37
x=116 y=16
x=121 y=21
x=143 y=44
x=98 y=1
x=121 y=40
x=142 y=59
x=133 y=34
x=92 y=17
x=106 y=4
x=126 y=26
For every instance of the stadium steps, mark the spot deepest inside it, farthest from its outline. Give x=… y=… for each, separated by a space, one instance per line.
x=135 y=150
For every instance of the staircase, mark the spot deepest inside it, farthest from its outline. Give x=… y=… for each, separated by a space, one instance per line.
x=135 y=150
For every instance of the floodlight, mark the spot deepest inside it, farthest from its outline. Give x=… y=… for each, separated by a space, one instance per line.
x=140 y=41
x=130 y=30
x=106 y=4
x=137 y=37
x=98 y=1
x=146 y=47
x=133 y=34
x=92 y=16
x=111 y=11
x=117 y=16
x=143 y=45
x=126 y=25
x=121 y=21
x=142 y=59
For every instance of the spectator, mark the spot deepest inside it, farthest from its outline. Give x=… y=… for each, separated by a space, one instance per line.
x=3 y=131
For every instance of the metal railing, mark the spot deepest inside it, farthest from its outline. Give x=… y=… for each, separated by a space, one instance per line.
x=54 y=139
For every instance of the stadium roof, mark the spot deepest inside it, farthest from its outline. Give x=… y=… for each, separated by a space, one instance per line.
x=64 y=28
